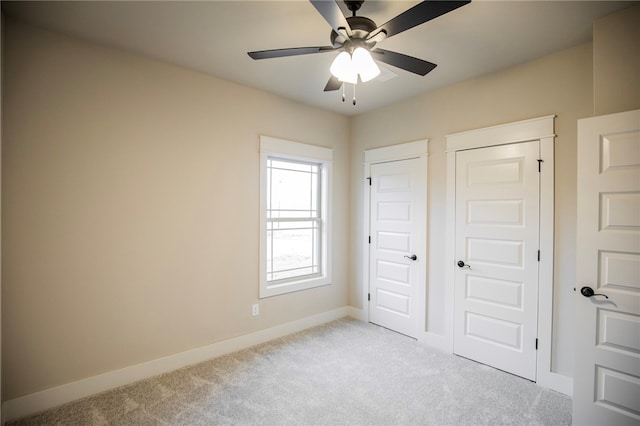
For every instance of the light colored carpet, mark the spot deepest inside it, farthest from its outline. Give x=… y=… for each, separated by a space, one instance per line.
x=343 y=373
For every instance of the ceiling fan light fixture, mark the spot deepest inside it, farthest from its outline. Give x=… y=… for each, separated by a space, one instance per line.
x=343 y=68
x=355 y=37
x=346 y=67
x=364 y=64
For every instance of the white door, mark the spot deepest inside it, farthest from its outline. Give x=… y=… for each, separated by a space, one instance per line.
x=397 y=265
x=497 y=242
x=607 y=365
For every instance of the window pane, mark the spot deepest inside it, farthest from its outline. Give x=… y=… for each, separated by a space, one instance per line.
x=292 y=248
x=290 y=190
x=293 y=189
x=293 y=244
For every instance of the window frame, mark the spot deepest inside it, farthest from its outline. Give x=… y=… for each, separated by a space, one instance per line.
x=296 y=151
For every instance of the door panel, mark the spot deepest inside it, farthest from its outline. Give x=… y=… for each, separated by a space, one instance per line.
x=607 y=366
x=396 y=207
x=497 y=233
x=494 y=252
x=493 y=330
x=503 y=293
x=619 y=211
x=500 y=212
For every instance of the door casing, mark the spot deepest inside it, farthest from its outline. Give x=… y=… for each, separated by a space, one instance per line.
x=404 y=151
x=541 y=129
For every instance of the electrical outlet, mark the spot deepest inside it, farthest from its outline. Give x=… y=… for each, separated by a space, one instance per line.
x=255 y=310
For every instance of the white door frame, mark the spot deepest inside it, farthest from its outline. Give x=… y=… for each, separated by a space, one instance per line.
x=405 y=151
x=541 y=129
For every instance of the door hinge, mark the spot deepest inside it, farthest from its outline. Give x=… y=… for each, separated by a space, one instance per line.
x=369 y=239
x=369 y=179
x=369 y=297
x=536 y=344
x=538 y=255
x=540 y=161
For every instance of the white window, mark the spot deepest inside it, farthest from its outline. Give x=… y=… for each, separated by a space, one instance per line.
x=295 y=222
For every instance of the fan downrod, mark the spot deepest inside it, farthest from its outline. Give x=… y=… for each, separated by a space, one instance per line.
x=353 y=6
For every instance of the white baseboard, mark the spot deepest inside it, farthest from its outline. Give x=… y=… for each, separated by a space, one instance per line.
x=556 y=382
x=356 y=313
x=49 y=398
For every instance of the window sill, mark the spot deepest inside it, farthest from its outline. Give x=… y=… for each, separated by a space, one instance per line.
x=276 y=289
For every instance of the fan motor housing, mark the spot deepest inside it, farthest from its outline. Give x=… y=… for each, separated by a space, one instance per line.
x=361 y=26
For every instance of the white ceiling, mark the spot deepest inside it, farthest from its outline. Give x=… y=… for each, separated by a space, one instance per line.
x=214 y=36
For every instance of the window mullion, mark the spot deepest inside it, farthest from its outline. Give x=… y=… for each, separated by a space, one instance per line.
x=293 y=219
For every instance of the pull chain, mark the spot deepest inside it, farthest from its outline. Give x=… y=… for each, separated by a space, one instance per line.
x=344 y=95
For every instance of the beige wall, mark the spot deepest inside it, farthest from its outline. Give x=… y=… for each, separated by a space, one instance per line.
x=558 y=84
x=130 y=222
x=616 y=62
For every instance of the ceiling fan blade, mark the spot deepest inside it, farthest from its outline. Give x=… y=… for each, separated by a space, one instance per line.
x=294 y=51
x=331 y=13
x=405 y=62
x=333 y=84
x=419 y=14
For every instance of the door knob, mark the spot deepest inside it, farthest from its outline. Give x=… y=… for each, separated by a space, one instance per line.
x=461 y=264
x=412 y=257
x=588 y=292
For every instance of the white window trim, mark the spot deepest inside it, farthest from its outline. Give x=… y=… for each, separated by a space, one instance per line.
x=296 y=151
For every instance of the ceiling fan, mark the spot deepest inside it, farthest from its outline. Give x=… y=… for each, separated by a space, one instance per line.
x=357 y=36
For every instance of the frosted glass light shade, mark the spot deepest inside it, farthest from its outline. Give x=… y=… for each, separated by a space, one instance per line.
x=364 y=64
x=343 y=68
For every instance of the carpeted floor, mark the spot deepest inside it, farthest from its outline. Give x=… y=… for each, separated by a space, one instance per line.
x=343 y=373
